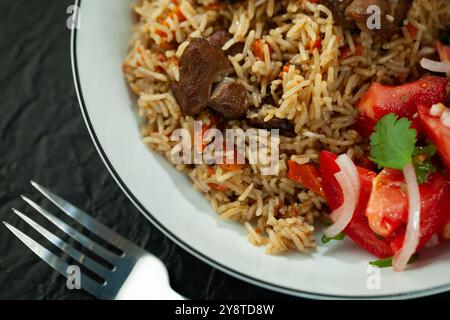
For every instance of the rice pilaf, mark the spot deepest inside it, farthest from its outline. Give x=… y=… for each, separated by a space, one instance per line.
x=295 y=63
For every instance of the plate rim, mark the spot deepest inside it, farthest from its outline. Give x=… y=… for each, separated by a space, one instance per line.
x=185 y=246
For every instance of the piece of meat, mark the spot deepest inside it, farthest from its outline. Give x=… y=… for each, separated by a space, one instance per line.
x=219 y=38
x=337 y=7
x=200 y=64
x=229 y=99
x=392 y=15
x=350 y=14
x=400 y=11
x=285 y=126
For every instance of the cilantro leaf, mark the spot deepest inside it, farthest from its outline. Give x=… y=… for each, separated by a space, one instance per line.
x=422 y=162
x=392 y=143
x=387 y=262
x=338 y=237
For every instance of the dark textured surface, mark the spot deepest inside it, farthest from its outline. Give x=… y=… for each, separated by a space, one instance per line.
x=43 y=137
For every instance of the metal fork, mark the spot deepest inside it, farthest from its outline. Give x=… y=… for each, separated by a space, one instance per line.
x=135 y=273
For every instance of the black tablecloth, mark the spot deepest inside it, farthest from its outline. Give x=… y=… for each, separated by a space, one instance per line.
x=43 y=137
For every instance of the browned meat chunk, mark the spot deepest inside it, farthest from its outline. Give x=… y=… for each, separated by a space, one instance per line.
x=200 y=64
x=353 y=13
x=392 y=16
x=400 y=11
x=285 y=126
x=218 y=40
x=229 y=99
x=337 y=7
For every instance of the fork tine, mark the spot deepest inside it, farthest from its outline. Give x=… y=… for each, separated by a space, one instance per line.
x=53 y=261
x=86 y=220
x=81 y=238
x=58 y=242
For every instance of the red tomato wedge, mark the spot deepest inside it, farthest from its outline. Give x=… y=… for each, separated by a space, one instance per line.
x=358 y=229
x=307 y=175
x=435 y=206
x=381 y=199
x=388 y=205
x=402 y=100
x=437 y=132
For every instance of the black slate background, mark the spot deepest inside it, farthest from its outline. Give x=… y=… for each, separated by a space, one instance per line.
x=43 y=137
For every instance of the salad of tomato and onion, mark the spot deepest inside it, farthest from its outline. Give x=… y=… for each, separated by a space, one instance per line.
x=395 y=201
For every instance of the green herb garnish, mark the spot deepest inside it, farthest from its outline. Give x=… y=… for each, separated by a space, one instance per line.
x=338 y=237
x=392 y=143
x=422 y=162
x=387 y=262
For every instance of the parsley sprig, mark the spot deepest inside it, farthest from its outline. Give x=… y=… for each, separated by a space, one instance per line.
x=393 y=142
x=422 y=162
x=393 y=145
x=387 y=262
x=338 y=237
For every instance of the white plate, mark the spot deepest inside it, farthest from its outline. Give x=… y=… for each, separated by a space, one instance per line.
x=167 y=199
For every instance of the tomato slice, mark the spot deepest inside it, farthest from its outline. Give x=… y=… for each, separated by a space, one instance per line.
x=437 y=132
x=435 y=208
x=388 y=204
x=358 y=229
x=307 y=175
x=402 y=100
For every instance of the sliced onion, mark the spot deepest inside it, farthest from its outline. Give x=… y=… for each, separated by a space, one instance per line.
x=348 y=180
x=435 y=66
x=445 y=118
x=412 y=235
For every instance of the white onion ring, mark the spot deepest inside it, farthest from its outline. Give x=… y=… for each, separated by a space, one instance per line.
x=348 y=180
x=435 y=66
x=412 y=235
x=445 y=118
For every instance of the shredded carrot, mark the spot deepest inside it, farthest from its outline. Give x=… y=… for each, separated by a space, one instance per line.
x=278 y=208
x=162 y=58
x=213 y=120
x=217 y=187
x=174 y=12
x=161 y=33
x=200 y=136
x=284 y=70
x=160 y=69
x=234 y=166
x=293 y=211
x=412 y=30
x=345 y=51
x=258 y=49
x=165 y=45
x=177 y=12
x=215 y=6
x=211 y=170
x=317 y=44
x=174 y=60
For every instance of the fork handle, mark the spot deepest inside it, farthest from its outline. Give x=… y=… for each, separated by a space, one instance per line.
x=149 y=280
